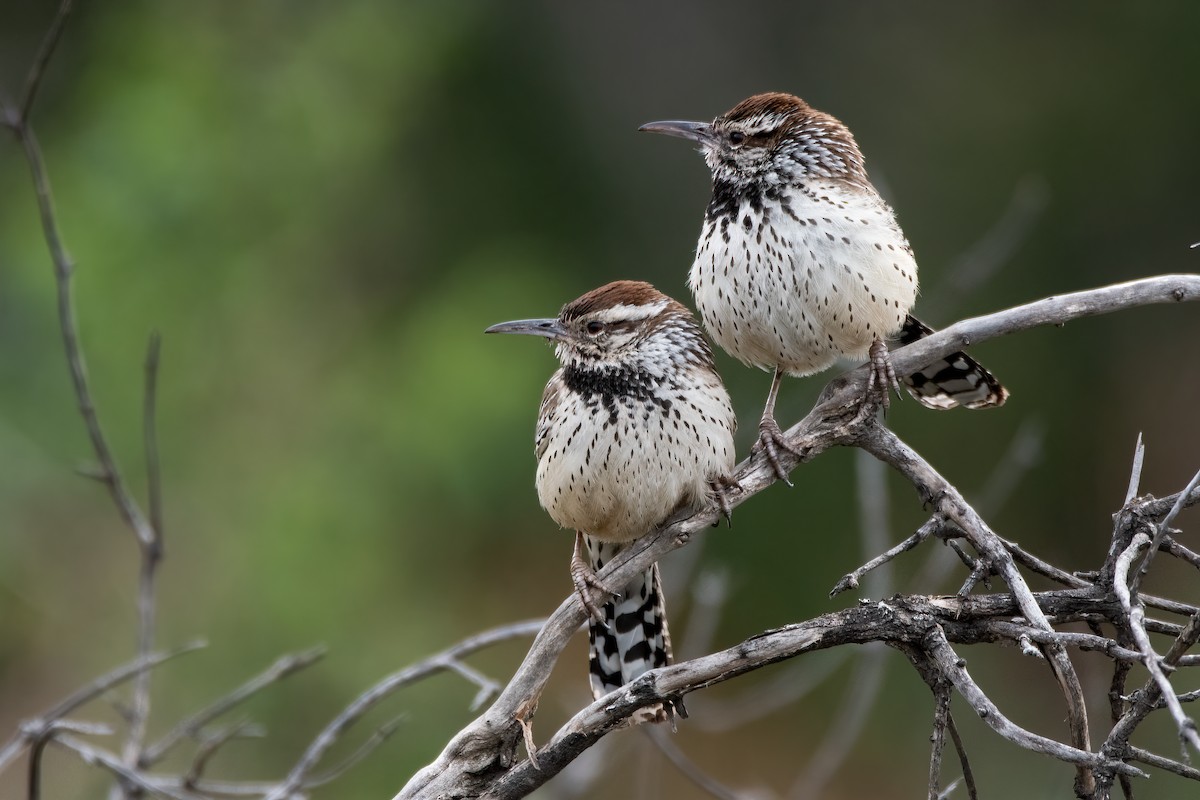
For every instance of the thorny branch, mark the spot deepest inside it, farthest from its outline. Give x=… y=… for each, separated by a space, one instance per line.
x=906 y=620
x=481 y=760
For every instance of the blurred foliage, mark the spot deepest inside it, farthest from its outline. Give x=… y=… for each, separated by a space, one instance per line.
x=321 y=206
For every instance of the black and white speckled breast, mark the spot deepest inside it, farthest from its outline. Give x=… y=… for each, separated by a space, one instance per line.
x=619 y=451
x=798 y=278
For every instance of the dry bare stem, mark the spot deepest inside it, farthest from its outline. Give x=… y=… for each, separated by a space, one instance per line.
x=921 y=623
x=31 y=729
x=191 y=726
x=145 y=529
x=449 y=659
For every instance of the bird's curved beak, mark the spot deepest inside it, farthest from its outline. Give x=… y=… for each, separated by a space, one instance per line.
x=550 y=328
x=700 y=132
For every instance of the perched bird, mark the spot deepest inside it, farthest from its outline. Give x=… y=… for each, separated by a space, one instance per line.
x=633 y=427
x=801 y=262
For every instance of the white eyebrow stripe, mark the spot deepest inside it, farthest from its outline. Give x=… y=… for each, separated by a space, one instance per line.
x=766 y=122
x=623 y=312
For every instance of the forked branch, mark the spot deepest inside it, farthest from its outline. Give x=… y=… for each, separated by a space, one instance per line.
x=488 y=745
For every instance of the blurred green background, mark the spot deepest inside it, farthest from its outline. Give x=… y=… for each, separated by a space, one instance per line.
x=322 y=205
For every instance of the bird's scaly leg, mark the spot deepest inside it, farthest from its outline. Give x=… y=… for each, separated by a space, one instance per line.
x=585 y=580
x=770 y=438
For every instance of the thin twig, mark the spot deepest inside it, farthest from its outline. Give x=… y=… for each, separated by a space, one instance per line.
x=944 y=497
x=33 y=80
x=488 y=688
x=151 y=556
x=1166 y=604
x=139 y=710
x=150 y=437
x=979 y=572
x=1023 y=453
x=64 y=269
x=941 y=713
x=968 y=775
x=1084 y=641
x=1155 y=760
x=943 y=720
x=850 y=580
x=96 y=757
x=44 y=737
x=381 y=735
x=1035 y=564
x=284 y=666
x=966 y=558
x=31 y=729
x=208 y=748
x=147 y=536
x=1185 y=697
x=192 y=787
x=1133 y=608
x=1116 y=688
x=1179 y=551
x=445 y=660
x=1157 y=507
x=1049 y=311
x=1135 y=474
x=1163 y=527
x=949 y=790
x=938 y=650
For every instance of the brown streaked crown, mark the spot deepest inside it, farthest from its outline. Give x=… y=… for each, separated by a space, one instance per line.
x=779 y=103
x=634 y=323
x=617 y=293
x=779 y=134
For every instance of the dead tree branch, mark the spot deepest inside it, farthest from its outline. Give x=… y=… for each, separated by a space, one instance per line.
x=907 y=620
x=148 y=534
x=481 y=760
x=130 y=766
x=32 y=729
x=449 y=659
x=193 y=725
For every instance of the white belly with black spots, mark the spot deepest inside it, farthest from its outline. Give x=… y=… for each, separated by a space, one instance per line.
x=615 y=467
x=801 y=285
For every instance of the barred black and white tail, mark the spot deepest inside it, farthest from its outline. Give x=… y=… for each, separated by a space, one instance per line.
x=956 y=380
x=635 y=640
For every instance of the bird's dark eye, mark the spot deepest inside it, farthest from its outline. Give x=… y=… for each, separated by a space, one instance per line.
x=594 y=327
x=736 y=137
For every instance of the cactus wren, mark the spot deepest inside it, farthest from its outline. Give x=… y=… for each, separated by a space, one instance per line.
x=634 y=426
x=801 y=262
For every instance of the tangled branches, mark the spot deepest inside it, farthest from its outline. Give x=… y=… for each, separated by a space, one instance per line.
x=482 y=760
